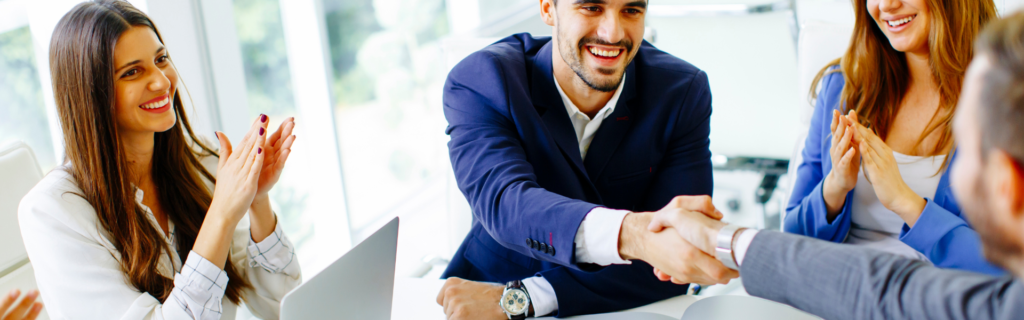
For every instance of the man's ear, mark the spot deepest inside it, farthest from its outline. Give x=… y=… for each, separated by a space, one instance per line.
x=547 y=12
x=1008 y=181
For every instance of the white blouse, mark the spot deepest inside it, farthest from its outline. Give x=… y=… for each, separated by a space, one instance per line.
x=79 y=275
x=874 y=225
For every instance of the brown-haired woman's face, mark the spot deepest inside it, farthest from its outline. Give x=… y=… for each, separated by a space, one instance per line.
x=144 y=82
x=904 y=22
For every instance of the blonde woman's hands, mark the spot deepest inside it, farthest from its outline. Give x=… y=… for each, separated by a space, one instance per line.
x=238 y=172
x=884 y=174
x=276 y=151
x=26 y=309
x=845 y=163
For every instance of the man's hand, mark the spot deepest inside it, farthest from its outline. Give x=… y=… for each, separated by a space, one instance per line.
x=694 y=218
x=464 y=299
x=674 y=252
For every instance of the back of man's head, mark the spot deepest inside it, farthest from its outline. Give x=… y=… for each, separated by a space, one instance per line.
x=987 y=177
x=1002 y=117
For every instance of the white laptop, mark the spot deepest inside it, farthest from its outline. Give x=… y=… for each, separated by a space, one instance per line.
x=359 y=285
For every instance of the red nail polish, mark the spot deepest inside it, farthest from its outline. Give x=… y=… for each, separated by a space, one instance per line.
x=263 y=118
x=259 y=151
x=261 y=131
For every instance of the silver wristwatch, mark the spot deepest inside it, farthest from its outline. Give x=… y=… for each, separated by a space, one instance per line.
x=723 y=250
x=515 y=300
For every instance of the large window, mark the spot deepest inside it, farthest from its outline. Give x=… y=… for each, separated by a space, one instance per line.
x=388 y=74
x=269 y=91
x=22 y=114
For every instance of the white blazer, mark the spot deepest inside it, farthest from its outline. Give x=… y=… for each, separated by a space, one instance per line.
x=79 y=275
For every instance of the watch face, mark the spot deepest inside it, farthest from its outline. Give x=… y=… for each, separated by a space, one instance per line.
x=514 y=301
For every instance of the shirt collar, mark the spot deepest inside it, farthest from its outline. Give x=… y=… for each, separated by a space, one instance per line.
x=608 y=107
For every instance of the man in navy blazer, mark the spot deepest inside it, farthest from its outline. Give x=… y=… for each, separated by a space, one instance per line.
x=565 y=147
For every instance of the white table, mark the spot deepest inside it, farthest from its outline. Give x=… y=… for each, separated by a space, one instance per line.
x=417 y=299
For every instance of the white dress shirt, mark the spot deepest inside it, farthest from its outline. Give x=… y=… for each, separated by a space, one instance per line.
x=593 y=241
x=875 y=226
x=79 y=275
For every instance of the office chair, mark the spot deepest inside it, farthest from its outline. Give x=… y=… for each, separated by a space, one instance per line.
x=19 y=171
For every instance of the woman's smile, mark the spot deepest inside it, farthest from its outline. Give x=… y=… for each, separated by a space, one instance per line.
x=157 y=105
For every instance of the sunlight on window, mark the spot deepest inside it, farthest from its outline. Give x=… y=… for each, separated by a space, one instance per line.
x=22 y=113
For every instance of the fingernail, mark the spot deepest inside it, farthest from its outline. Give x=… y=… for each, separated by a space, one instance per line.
x=259 y=150
x=263 y=118
x=14 y=293
x=261 y=131
x=32 y=294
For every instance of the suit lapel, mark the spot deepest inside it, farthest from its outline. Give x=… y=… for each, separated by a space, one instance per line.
x=556 y=119
x=613 y=129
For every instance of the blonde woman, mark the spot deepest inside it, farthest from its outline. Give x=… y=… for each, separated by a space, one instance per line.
x=876 y=160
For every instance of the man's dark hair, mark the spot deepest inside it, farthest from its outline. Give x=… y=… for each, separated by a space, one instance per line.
x=1002 y=94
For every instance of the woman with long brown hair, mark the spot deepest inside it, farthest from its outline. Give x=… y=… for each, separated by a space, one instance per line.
x=876 y=160
x=134 y=225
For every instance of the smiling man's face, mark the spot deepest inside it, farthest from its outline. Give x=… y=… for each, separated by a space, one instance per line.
x=597 y=39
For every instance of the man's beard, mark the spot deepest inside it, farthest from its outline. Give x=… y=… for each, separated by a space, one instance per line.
x=997 y=243
x=573 y=56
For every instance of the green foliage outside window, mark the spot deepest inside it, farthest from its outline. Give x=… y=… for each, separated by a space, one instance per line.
x=22 y=113
x=267 y=77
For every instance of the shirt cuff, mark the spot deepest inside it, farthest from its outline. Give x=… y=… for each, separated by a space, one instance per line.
x=274 y=254
x=542 y=296
x=595 y=242
x=739 y=250
x=199 y=287
x=934 y=223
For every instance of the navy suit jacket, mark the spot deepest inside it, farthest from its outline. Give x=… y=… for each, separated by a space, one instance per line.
x=516 y=158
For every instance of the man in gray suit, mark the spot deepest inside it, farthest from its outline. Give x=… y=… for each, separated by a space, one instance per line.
x=837 y=281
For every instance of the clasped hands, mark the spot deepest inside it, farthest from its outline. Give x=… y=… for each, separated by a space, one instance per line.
x=678 y=240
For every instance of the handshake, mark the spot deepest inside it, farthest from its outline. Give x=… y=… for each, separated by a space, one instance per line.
x=678 y=241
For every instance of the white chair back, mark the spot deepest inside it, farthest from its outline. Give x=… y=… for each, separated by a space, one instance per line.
x=820 y=43
x=1007 y=7
x=19 y=171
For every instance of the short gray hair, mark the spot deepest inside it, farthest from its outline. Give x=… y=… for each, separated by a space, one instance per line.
x=1002 y=103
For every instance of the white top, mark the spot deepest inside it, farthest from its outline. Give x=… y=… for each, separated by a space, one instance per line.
x=877 y=227
x=595 y=246
x=79 y=275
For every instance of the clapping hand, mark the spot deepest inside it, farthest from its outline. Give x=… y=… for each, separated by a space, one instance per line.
x=276 y=151
x=880 y=165
x=845 y=162
x=238 y=172
x=26 y=309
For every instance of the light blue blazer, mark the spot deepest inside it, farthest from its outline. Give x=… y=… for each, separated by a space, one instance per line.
x=941 y=233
